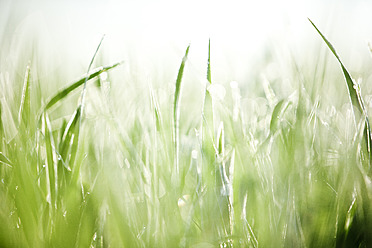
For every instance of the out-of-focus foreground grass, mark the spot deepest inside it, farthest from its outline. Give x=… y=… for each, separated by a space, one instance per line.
x=165 y=161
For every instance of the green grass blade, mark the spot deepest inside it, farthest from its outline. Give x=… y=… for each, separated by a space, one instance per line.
x=208 y=108
x=221 y=140
x=73 y=134
x=209 y=75
x=74 y=145
x=51 y=166
x=207 y=115
x=75 y=138
x=67 y=141
x=354 y=94
x=231 y=193
x=221 y=179
x=5 y=160
x=24 y=109
x=176 y=109
x=66 y=91
x=278 y=111
x=2 y=134
x=157 y=113
x=86 y=78
x=208 y=167
x=349 y=81
x=61 y=131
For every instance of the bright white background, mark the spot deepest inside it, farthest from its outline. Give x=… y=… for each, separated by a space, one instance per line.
x=157 y=32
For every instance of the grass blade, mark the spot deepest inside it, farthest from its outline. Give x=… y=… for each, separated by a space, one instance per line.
x=176 y=109
x=74 y=145
x=209 y=76
x=220 y=154
x=349 y=81
x=51 y=166
x=66 y=91
x=157 y=113
x=208 y=106
x=207 y=114
x=67 y=141
x=86 y=78
x=24 y=109
x=2 y=135
x=278 y=111
x=221 y=141
x=354 y=95
x=230 y=192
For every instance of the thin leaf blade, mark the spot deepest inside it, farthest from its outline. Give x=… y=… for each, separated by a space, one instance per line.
x=69 y=89
x=355 y=96
x=2 y=135
x=24 y=109
x=349 y=81
x=209 y=75
x=278 y=111
x=176 y=109
x=207 y=114
x=51 y=167
x=67 y=140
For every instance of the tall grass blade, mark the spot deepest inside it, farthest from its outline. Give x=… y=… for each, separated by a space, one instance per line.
x=66 y=91
x=67 y=141
x=354 y=95
x=207 y=114
x=74 y=144
x=2 y=134
x=221 y=140
x=24 y=109
x=231 y=192
x=224 y=179
x=208 y=172
x=349 y=81
x=86 y=78
x=278 y=111
x=221 y=178
x=208 y=107
x=51 y=166
x=157 y=113
x=79 y=114
x=176 y=109
x=209 y=76
x=248 y=230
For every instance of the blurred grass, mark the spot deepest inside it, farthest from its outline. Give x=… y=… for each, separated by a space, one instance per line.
x=284 y=165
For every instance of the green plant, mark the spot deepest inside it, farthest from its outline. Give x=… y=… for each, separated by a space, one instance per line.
x=130 y=168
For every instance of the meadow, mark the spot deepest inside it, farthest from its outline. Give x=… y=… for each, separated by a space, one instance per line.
x=116 y=158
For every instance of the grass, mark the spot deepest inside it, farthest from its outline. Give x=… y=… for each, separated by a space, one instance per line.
x=136 y=169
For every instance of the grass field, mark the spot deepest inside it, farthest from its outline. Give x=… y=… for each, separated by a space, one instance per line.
x=116 y=158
